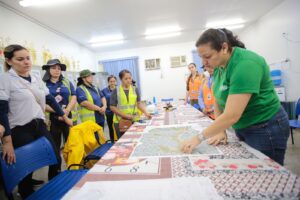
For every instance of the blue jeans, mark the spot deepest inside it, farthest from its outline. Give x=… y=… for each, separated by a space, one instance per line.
x=269 y=137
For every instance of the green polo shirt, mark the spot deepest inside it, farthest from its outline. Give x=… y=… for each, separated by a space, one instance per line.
x=247 y=73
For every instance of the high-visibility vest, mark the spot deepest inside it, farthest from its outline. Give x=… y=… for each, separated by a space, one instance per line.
x=194 y=86
x=126 y=106
x=208 y=97
x=84 y=113
x=74 y=112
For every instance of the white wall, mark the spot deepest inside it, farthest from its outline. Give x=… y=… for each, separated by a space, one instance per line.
x=163 y=83
x=19 y=29
x=265 y=37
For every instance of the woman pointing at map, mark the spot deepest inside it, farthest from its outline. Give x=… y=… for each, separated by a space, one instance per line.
x=244 y=96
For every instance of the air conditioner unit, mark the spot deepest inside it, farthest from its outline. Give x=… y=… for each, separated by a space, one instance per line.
x=178 y=61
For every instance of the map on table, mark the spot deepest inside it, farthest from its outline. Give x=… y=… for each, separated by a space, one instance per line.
x=166 y=142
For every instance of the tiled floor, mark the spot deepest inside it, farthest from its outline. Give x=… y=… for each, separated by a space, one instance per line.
x=292 y=162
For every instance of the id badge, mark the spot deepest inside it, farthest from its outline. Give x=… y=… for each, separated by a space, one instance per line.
x=58 y=98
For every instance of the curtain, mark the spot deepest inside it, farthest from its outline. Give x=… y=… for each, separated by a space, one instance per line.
x=114 y=66
x=197 y=60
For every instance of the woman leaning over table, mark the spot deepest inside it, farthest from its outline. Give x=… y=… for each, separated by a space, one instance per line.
x=245 y=96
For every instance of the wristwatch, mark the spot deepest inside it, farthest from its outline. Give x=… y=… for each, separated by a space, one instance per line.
x=201 y=137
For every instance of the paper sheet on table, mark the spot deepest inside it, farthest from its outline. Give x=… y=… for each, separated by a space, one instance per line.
x=158 y=189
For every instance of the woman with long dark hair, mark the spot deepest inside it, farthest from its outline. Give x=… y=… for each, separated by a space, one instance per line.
x=23 y=98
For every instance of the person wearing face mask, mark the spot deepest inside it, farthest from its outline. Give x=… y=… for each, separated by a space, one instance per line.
x=244 y=96
x=63 y=91
x=91 y=100
x=206 y=95
x=125 y=101
x=193 y=85
x=23 y=98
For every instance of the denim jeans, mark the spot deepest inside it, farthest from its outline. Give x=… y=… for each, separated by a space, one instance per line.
x=269 y=137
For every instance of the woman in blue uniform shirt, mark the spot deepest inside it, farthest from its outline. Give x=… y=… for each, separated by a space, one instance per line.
x=91 y=100
x=112 y=80
x=63 y=92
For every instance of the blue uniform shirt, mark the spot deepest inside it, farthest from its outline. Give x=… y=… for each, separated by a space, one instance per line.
x=97 y=96
x=107 y=92
x=60 y=89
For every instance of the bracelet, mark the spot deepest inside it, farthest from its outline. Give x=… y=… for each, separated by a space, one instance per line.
x=201 y=137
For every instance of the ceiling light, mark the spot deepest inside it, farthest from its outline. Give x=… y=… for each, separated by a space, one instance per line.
x=107 y=40
x=163 y=32
x=225 y=23
x=165 y=35
x=107 y=43
x=27 y=3
x=160 y=30
x=231 y=27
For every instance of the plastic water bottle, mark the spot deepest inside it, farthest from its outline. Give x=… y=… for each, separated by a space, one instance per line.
x=154 y=100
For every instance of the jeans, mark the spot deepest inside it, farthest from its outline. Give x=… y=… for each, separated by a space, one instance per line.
x=269 y=137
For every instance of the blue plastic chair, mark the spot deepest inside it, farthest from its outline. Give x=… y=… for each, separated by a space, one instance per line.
x=59 y=185
x=295 y=123
x=99 y=151
x=29 y=158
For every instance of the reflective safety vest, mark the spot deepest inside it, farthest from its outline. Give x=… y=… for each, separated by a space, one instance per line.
x=208 y=97
x=126 y=106
x=84 y=113
x=74 y=112
x=194 y=86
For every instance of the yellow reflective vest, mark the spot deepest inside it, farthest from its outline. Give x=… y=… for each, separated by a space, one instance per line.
x=127 y=106
x=84 y=113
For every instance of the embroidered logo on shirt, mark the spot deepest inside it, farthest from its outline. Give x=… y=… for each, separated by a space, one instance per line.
x=223 y=87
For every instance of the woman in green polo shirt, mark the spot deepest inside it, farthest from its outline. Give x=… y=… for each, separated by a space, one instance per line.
x=245 y=96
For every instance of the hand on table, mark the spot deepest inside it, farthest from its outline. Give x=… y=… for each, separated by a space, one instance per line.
x=149 y=116
x=189 y=145
x=218 y=139
x=205 y=111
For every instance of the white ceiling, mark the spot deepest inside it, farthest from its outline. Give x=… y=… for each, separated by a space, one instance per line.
x=83 y=19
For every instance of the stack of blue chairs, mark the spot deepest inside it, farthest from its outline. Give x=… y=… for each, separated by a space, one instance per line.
x=31 y=157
